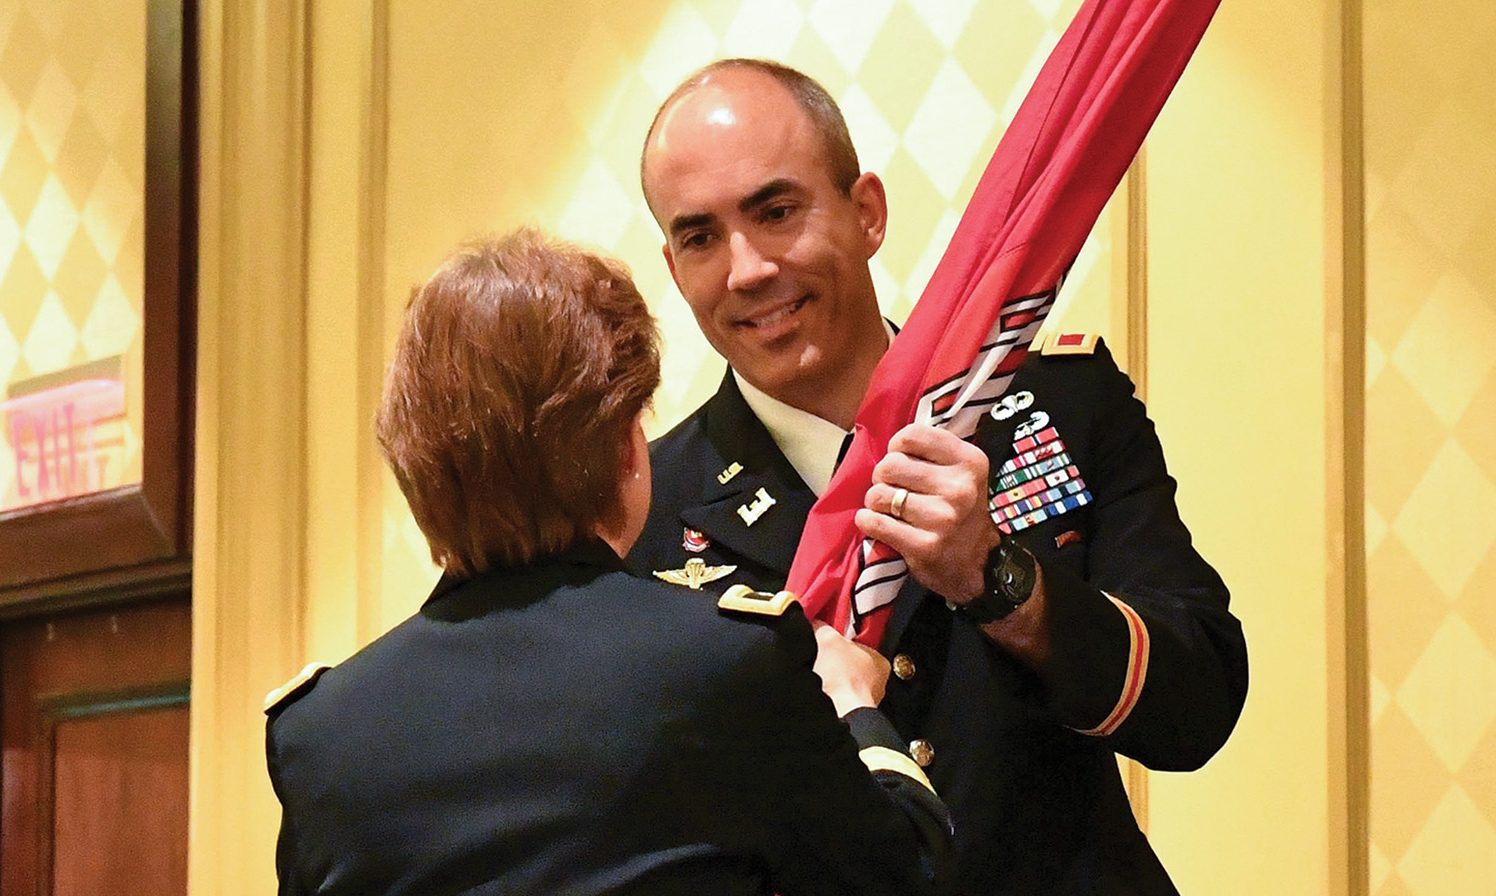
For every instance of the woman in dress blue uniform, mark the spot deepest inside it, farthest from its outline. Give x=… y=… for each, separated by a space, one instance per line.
x=547 y=723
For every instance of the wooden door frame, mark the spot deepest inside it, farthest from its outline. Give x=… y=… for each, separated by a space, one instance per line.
x=134 y=541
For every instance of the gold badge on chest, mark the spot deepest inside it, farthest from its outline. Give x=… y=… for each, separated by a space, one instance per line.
x=694 y=574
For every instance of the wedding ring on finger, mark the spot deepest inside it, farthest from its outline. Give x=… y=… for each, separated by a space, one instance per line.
x=896 y=506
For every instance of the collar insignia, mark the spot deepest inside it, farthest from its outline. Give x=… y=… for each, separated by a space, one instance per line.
x=751 y=511
x=694 y=574
x=732 y=470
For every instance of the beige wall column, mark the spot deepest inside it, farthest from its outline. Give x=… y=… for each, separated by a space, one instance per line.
x=289 y=514
x=249 y=525
x=345 y=326
x=1244 y=275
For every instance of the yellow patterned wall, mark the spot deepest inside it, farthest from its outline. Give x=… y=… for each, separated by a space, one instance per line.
x=1430 y=105
x=537 y=110
x=72 y=171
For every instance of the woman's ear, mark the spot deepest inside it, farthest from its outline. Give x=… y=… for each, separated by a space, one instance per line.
x=636 y=457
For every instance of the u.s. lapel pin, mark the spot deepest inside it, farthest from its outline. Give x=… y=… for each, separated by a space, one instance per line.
x=694 y=574
x=732 y=470
x=754 y=509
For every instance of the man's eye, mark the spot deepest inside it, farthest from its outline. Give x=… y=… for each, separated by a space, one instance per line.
x=695 y=240
x=777 y=212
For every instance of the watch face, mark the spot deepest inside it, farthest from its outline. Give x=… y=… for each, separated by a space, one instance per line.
x=1008 y=580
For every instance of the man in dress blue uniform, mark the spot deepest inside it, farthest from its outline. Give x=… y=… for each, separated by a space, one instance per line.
x=1058 y=614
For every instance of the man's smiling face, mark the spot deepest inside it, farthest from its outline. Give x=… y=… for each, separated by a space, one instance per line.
x=768 y=252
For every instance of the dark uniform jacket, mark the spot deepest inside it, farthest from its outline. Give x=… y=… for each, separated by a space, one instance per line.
x=566 y=728
x=1025 y=762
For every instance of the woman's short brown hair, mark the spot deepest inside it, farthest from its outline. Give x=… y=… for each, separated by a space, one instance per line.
x=519 y=369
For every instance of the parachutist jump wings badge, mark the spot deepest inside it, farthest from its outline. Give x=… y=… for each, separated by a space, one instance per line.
x=695 y=573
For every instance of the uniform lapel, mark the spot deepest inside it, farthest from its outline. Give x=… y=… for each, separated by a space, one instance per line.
x=911 y=595
x=759 y=511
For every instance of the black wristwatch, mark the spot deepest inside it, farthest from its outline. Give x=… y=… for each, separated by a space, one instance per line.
x=1007 y=581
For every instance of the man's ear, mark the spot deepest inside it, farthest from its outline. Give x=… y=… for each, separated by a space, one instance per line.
x=670 y=263
x=871 y=199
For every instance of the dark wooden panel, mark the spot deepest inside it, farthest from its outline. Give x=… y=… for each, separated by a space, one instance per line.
x=150 y=521
x=93 y=719
x=119 y=800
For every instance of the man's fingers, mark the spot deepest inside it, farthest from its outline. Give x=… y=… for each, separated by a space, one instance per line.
x=880 y=498
x=925 y=478
x=924 y=511
x=928 y=460
x=932 y=444
x=897 y=469
x=907 y=539
x=929 y=486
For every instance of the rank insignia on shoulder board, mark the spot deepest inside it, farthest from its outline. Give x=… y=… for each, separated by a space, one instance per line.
x=1070 y=344
x=761 y=603
x=299 y=684
x=694 y=574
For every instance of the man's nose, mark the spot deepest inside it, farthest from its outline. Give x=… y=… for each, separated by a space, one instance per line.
x=750 y=268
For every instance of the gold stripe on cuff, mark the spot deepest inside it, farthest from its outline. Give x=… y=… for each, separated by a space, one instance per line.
x=884 y=759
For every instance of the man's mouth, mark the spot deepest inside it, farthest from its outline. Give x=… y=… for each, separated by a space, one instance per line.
x=774 y=316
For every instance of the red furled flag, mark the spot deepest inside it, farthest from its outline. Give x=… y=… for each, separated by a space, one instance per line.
x=1054 y=169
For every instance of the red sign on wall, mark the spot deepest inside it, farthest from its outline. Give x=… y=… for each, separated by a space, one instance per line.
x=57 y=444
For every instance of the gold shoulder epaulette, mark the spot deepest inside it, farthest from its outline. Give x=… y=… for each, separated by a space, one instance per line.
x=746 y=600
x=298 y=685
x=1070 y=344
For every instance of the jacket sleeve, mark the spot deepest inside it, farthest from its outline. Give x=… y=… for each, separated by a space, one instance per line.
x=286 y=872
x=1145 y=653
x=830 y=826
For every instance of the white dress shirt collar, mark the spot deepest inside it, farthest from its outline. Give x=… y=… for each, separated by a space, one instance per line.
x=811 y=444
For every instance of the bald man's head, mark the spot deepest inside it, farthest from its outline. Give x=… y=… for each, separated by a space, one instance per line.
x=757 y=75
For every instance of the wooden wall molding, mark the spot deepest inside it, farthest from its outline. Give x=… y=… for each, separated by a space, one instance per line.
x=289 y=528
x=1135 y=257
x=1130 y=321
x=73 y=543
x=1349 y=734
x=250 y=491
x=345 y=343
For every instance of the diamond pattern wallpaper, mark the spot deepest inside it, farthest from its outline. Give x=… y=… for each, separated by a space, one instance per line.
x=926 y=85
x=72 y=170
x=1431 y=445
